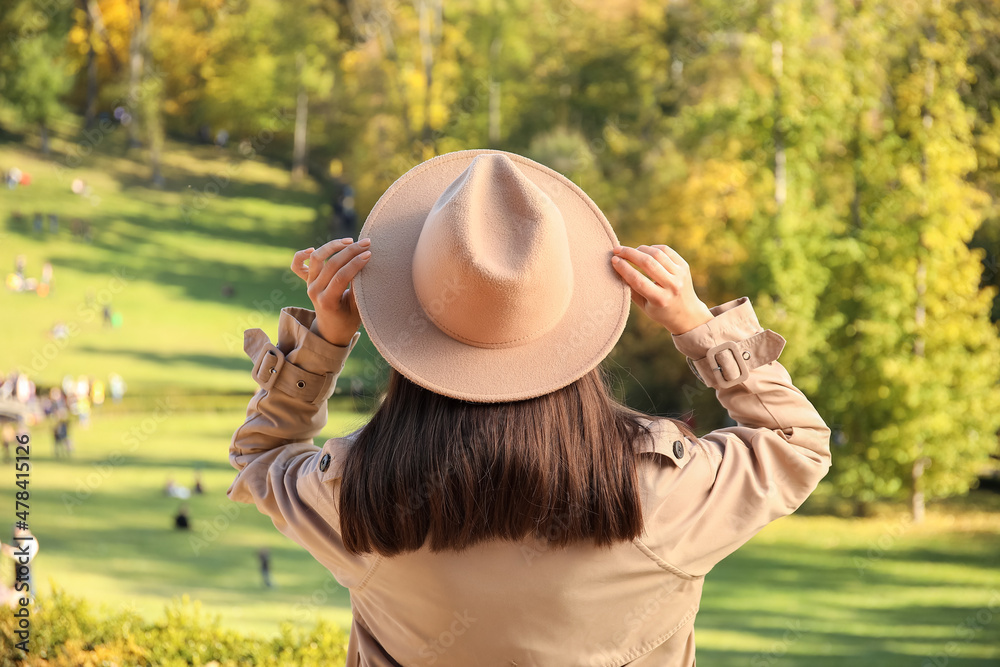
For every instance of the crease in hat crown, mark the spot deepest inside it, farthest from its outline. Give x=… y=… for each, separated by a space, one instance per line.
x=492 y=265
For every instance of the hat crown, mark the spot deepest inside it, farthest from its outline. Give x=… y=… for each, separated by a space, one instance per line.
x=492 y=266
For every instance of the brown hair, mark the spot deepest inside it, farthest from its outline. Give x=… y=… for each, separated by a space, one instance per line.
x=562 y=467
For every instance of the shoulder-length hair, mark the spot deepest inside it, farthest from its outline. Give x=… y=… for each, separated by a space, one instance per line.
x=561 y=467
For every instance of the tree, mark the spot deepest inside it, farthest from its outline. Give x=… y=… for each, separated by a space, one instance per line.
x=33 y=67
x=912 y=377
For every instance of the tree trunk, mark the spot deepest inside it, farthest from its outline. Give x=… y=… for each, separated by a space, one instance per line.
x=299 y=147
x=920 y=311
x=780 y=182
x=136 y=52
x=494 y=132
x=43 y=132
x=430 y=36
x=90 y=115
x=917 y=496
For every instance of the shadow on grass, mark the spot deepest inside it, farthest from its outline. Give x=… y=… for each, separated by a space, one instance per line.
x=811 y=606
x=197 y=359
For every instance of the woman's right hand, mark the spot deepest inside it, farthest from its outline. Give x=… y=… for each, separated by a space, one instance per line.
x=664 y=289
x=328 y=272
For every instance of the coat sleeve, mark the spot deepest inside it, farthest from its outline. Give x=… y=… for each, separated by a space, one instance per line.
x=279 y=469
x=737 y=480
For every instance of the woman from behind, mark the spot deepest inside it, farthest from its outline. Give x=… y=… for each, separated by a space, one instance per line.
x=500 y=508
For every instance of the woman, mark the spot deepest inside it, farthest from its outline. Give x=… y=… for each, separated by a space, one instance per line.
x=500 y=508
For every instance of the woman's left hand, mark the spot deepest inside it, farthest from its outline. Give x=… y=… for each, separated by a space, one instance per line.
x=328 y=272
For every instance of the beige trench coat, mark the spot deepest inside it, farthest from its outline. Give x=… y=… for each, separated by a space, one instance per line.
x=526 y=604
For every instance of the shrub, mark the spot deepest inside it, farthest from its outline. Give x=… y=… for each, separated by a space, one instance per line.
x=65 y=632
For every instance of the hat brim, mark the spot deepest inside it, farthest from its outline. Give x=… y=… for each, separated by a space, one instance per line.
x=412 y=344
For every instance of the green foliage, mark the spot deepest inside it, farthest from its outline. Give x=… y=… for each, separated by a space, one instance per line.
x=65 y=631
x=831 y=160
x=33 y=69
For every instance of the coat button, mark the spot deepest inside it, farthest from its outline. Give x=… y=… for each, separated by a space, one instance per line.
x=324 y=463
x=678 y=449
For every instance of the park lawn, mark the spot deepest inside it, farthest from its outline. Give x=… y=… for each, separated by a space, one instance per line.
x=823 y=590
x=105 y=526
x=809 y=590
x=161 y=259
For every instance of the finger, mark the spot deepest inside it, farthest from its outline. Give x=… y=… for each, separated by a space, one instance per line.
x=299 y=267
x=650 y=261
x=338 y=261
x=347 y=273
x=321 y=254
x=661 y=257
x=673 y=255
x=640 y=284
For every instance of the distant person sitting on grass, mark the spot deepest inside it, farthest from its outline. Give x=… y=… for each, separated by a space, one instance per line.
x=499 y=496
x=181 y=520
x=173 y=490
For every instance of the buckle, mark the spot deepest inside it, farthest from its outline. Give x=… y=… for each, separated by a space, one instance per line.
x=268 y=366
x=712 y=358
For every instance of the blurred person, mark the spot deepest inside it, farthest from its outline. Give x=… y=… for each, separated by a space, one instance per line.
x=68 y=385
x=499 y=493
x=198 y=487
x=97 y=391
x=61 y=444
x=60 y=331
x=58 y=411
x=81 y=401
x=82 y=388
x=182 y=521
x=117 y=387
x=13 y=177
x=82 y=410
x=264 y=556
x=24 y=389
x=175 y=490
x=8 y=434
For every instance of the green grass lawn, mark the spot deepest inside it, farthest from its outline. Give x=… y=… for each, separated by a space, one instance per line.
x=159 y=260
x=809 y=590
x=106 y=529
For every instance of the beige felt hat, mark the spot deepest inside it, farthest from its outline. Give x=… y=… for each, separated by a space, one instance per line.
x=490 y=278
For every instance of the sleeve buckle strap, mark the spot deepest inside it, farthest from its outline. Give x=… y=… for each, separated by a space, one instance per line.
x=268 y=365
x=743 y=357
x=716 y=365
